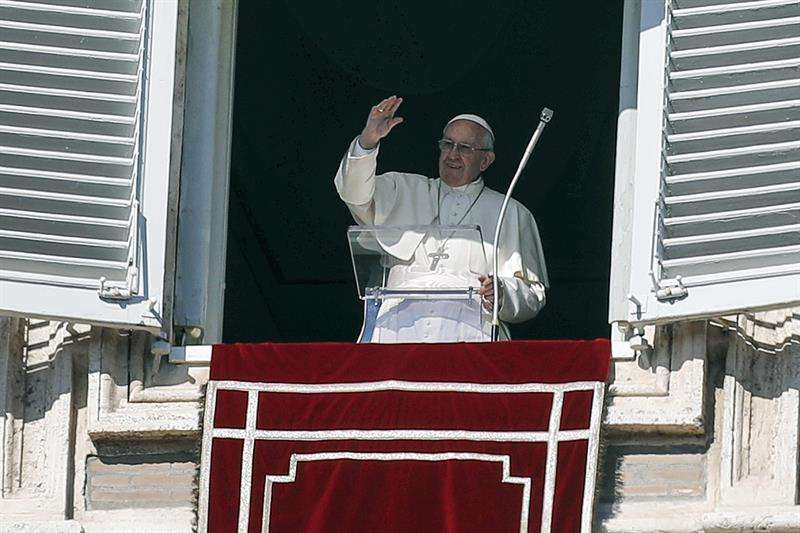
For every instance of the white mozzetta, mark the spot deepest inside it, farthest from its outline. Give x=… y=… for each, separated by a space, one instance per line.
x=717 y=157
x=85 y=135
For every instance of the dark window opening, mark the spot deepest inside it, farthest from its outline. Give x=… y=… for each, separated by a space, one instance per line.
x=306 y=76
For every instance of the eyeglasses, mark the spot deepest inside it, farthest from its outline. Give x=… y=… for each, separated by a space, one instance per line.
x=446 y=145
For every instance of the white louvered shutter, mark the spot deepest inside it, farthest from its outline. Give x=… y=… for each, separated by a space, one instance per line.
x=85 y=130
x=717 y=185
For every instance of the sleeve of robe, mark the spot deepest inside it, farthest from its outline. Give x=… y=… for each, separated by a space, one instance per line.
x=521 y=266
x=358 y=187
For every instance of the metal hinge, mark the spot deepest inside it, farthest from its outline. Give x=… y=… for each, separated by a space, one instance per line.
x=671 y=289
x=116 y=292
x=113 y=292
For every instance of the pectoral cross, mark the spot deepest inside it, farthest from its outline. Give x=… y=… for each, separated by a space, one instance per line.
x=436 y=256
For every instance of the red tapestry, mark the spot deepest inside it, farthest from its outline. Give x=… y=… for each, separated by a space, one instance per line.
x=329 y=437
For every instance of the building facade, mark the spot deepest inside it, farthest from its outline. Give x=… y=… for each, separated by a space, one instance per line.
x=114 y=140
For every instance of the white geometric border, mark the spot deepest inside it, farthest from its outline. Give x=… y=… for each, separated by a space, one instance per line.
x=553 y=436
x=504 y=460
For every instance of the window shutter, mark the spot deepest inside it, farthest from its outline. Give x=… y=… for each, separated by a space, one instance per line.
x=85 y=114
x=717 y=227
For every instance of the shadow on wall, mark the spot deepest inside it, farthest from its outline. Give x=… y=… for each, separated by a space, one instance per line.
x=42 y=358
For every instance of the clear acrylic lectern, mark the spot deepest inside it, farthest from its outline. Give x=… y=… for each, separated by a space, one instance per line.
x=420 y=283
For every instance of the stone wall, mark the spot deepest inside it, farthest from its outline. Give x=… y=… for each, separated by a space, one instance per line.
x=135 y=481
x=95 y=431
x=100 y=435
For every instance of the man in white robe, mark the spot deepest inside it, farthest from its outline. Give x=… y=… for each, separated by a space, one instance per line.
x=458 y=197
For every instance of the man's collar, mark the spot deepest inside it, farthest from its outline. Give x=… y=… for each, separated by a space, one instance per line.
x=469 y=188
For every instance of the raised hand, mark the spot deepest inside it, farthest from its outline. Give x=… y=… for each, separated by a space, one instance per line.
x=380 y=122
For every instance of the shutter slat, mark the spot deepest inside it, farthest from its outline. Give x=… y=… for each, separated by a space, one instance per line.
x=684 y=4
x=74 y=10
x=82 y=250
x=736 y=32
x=66 y=156
x=77 y=145
x=761 y=149
x=746 y=53
x=68 y=93
x=723 y=91
x=728 y=117
x=739 y=242
x=703 y=224
x=62 y=239
x=62 y=260
x=732 y=132
x=732 y=173
x=734 y=110
x=70 y=30
x=70 y=52
x=732 y=235
x=734 y=241
x=64 y=113
x=735 y=48
x=72 y=198
x=727 y=70
x=53 y=265
x=50 y=280
x=741 y=260
x=731 y=179
x=731 y=13
x=729 y=7
x=70 y=20
x=68 y=72
x=724 y=194
x=80 y=178
x=64 y=224
x=753 y=93
x=69 y=133
x=714 y=160
x=755 y=273
x=92 y=211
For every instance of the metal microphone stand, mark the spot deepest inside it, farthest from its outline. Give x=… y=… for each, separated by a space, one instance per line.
x=544 y=118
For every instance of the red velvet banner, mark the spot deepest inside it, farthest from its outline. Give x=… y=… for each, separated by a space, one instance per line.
x=400 y=438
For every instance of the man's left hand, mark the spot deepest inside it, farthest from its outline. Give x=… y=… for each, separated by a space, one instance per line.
x=487 y=292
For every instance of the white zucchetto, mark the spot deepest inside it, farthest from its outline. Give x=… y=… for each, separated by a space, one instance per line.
x=472 y=118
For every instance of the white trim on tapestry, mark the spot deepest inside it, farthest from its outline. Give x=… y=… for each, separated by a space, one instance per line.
x=592 y=454
x=247 y=460
x=504 y=460
x=551 y=464
x=408 y=386
x=205 y=455
x=402 y=434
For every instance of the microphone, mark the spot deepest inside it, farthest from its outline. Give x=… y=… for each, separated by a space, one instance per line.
x=545 y=117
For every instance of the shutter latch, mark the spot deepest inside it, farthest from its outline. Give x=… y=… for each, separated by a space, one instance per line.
x=671 y=289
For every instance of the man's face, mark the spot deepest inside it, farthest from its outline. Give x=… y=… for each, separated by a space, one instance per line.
x=459 y=167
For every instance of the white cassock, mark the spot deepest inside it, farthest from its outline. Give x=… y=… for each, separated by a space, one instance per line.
x=401 y=199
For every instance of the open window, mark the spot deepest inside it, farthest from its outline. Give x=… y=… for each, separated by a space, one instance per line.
x=304 y=85
x=708 y=186
x=86 y=98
